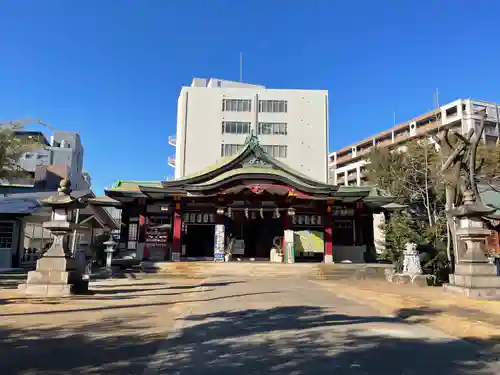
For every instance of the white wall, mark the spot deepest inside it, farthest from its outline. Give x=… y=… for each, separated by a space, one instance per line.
x=199 y=128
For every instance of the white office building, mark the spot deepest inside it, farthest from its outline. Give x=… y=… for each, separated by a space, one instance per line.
x=215 y=116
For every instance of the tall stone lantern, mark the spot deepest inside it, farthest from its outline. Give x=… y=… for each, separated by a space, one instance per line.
x=56 y=273
x=474 y=274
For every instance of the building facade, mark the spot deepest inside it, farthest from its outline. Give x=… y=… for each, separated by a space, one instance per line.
x=59 y=158
x=346 y=166
x=214 y=118
x=21 y=233
x=247 y=205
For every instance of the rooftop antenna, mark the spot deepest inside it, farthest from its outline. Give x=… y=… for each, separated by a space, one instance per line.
x=436 y=99
x=241 y=66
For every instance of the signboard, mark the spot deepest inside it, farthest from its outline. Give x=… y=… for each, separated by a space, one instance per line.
x=219 y=234
x=289 y=247
x=198 y=218
x=307 y=220
x=308 y=241
x=342 y=211
x=157 y=231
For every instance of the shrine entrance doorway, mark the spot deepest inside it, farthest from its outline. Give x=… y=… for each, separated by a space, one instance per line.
x=254 y=235
x=198 y=240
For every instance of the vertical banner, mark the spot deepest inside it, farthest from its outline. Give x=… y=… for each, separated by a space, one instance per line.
x=219 y=236
x=289 y=246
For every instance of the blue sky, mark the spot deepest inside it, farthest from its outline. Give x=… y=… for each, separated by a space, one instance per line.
x=112 y=69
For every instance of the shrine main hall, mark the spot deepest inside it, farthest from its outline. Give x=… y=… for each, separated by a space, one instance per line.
x=250 y=205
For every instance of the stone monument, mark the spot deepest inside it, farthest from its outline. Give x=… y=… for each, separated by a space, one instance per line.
x=412 y=270
x=56 y=273
x=411 y=260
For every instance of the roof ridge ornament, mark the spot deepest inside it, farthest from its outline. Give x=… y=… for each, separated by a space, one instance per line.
x=252 y=140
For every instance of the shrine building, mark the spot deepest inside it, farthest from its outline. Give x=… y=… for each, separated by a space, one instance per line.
x=248 y=203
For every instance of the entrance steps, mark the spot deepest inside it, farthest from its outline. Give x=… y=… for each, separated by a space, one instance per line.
x=265 y=270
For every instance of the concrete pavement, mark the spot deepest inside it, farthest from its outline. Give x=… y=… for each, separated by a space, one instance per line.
x=298 y=327
x=221 y=326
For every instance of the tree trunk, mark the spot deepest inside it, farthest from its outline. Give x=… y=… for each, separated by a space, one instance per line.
x=450 y=233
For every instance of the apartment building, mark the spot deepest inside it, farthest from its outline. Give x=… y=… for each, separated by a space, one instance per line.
x=347 y=165
x=59 y=157
x=215 y=116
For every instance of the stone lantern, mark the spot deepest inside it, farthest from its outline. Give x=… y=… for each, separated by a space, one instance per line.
x=474 y=275
x=110 y=248
x=56 y=273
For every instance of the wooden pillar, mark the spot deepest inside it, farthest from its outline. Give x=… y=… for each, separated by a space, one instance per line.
x=125 y=220
x=141 y=235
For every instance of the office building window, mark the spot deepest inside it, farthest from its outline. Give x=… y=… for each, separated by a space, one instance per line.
x=227 y=149
x=275 y=106
x=235 y=127
x=276 y=151
x=271 y=128
x=236 y=105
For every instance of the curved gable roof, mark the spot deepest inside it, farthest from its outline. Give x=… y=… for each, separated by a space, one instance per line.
x=251 y=162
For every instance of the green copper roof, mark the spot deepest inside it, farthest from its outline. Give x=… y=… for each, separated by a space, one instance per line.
x=252 y=170
x=490 y=195
x=250 y=150
x=133 y=185
x=222 y=161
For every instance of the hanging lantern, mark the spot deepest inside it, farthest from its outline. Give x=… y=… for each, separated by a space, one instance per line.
x=220 y=211
x=276 y=213
x=359 y=205
x=291 y=212
x=261 y=213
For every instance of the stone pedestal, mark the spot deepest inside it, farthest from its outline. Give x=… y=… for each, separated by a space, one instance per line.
x=56 y=273
x=475 y=276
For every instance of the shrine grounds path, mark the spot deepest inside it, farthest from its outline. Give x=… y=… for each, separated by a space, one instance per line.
x=237 y=326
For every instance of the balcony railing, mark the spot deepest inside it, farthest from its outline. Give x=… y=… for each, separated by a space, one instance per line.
x=172 y=140
x=17 y=182
x=171 y=161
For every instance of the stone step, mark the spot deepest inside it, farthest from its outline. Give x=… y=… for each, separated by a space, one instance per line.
x=265 y=269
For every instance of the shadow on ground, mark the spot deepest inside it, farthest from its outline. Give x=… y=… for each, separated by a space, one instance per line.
x=130 y=306
x=118 y=291
x=289 y=340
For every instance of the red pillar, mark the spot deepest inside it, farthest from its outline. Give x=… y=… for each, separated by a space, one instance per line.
x=328 y=239
x=176 y=233
x=328 y=245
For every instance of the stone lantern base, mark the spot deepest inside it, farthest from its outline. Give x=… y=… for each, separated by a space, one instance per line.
x=56 y=274
x=54 y=277
x=476 y=280
x=474 y=275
